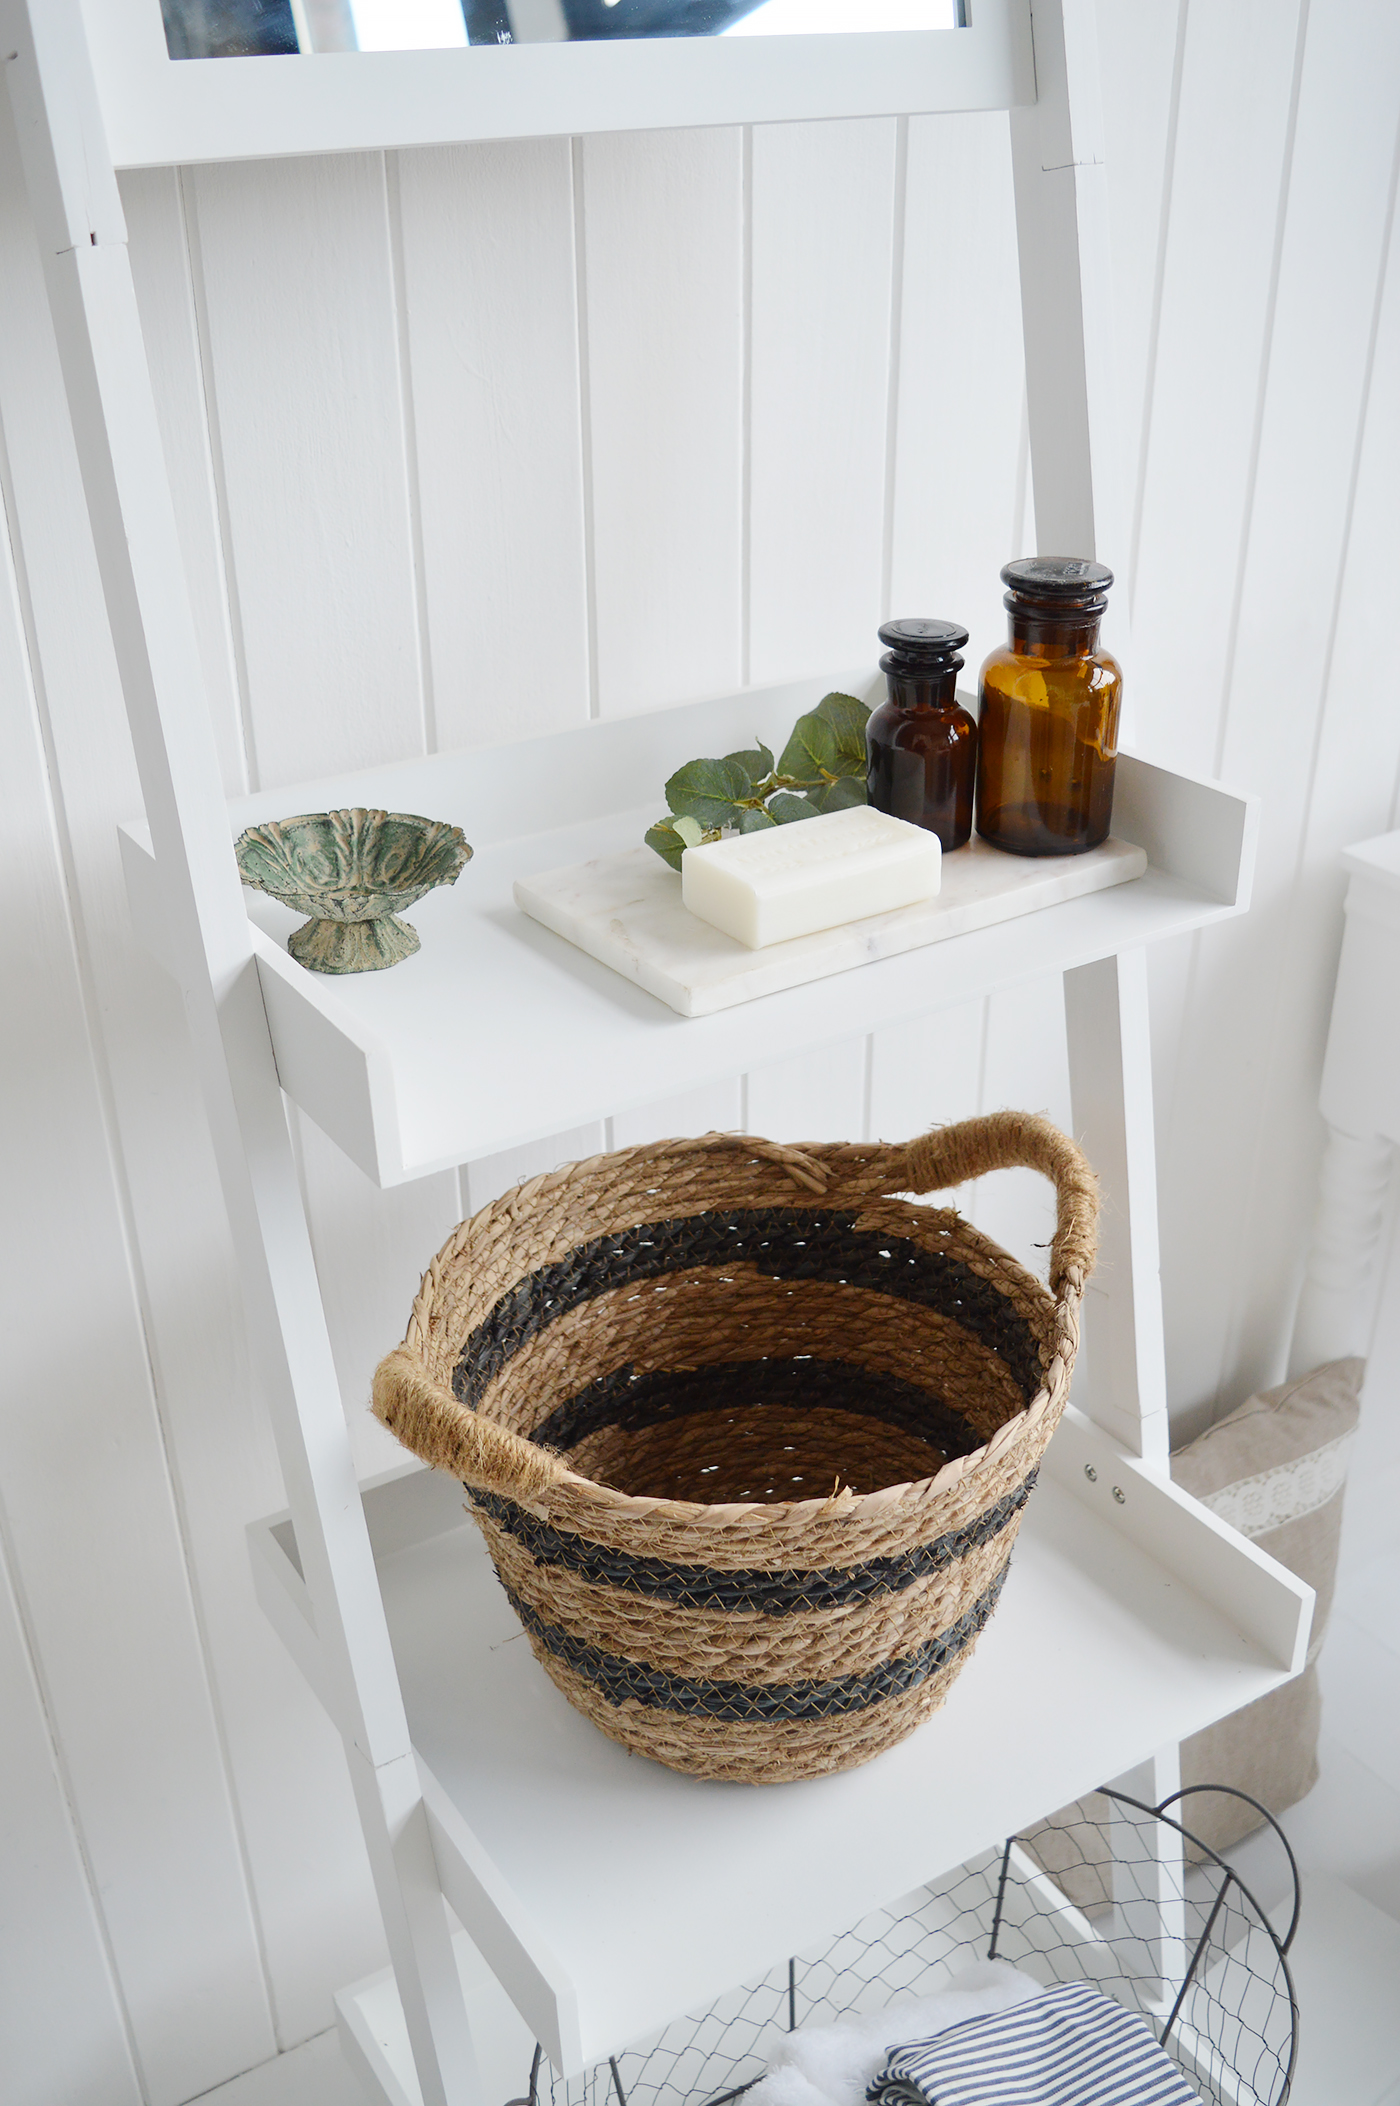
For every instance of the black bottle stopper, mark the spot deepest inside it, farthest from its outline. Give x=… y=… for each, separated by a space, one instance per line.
x=1072 y=585
x=922 y=646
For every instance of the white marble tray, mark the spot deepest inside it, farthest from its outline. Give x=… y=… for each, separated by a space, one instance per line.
x=626 y=911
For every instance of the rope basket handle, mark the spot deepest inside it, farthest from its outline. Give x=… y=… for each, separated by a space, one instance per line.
x=470 y=1447
x=1008 y=1140
x=954 y=1155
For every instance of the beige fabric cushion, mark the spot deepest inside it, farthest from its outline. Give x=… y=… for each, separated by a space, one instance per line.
x=1275 y=1469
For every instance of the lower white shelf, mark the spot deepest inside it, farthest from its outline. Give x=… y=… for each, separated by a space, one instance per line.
x=608 y=1895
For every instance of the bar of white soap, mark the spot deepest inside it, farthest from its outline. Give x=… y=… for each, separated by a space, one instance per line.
x=813 y=874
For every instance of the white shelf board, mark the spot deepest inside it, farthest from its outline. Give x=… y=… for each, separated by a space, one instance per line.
x=499 y=1031
x=609 y=1895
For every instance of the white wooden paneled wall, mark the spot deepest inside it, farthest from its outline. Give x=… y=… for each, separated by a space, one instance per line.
x=473 y=441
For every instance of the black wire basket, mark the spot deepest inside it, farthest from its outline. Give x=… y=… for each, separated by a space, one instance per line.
x=1167 y=1928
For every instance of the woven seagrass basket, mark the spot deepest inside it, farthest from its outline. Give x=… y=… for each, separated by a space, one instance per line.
x=749 y=1435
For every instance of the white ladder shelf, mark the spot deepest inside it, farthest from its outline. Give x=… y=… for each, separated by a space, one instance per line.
x=601 y=1895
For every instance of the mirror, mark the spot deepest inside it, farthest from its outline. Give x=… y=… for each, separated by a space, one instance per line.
x=438 y=72
x=276 y=28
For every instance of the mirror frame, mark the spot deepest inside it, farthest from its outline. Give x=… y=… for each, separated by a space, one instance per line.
x=160 y=111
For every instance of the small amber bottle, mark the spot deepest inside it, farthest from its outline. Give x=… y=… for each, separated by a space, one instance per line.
x=1048 y=731
x=921 y=744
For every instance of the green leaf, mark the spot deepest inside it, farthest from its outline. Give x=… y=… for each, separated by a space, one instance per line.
x=840 y=795
x=810 y=753
x=826 y=743
x=672 y=837
x=848 y=719
x=756 y=764
x=666 y=841
x=787 y=807
x=824 y=758
x=709 y=790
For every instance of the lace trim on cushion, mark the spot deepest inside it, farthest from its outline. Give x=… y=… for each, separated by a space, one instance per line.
x=1256 y=1505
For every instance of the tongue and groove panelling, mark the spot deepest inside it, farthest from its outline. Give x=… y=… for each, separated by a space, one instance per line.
x=473 y=441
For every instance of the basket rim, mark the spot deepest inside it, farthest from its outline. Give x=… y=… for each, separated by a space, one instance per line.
x=434 y=1424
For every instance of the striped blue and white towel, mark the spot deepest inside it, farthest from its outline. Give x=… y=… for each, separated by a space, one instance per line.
x=1071 y=2047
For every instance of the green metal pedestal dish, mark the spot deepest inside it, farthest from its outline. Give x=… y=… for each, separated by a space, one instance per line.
x=354 y=873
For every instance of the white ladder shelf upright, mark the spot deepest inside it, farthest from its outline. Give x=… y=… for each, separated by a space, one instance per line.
x=1178 y=1621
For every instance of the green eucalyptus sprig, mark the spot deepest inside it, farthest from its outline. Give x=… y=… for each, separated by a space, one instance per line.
x=821 y=769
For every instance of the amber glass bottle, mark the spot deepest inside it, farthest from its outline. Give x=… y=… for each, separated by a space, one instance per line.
x=921 y=744
x=1048 y=730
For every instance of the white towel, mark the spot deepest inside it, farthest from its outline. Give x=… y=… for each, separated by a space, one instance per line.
x=835 y=2065
x=1071 y=2047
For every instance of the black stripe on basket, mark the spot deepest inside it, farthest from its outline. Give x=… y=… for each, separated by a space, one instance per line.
x=631 y=1401
x=621 y=1681
x=782 y=1243
x=771 y=1593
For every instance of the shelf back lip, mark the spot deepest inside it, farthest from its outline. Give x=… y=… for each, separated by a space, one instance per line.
x=1200 y=831
x=517 y=788
x=1268 y=1604
x=161 y=113
x=1192 y=828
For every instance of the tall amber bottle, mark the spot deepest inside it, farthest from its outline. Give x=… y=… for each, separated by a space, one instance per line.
x=921 y=744
x=1050 y=703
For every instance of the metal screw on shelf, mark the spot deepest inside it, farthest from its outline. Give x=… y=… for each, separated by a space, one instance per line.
x=1120 y=1495
x=1091 y=1473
